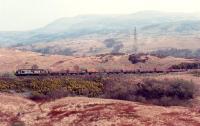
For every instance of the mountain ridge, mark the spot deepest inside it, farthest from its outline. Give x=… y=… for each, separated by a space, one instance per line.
x=153 y=28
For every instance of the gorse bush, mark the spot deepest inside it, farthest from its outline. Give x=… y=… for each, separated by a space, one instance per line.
x=7 y=75
x=52 y=87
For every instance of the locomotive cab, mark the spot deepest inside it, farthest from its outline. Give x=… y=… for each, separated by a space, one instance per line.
x=31 y=72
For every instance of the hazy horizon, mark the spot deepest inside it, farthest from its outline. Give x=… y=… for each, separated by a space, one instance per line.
x=21 y=15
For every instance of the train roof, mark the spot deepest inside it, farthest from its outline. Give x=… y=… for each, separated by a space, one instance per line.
x=31 y=69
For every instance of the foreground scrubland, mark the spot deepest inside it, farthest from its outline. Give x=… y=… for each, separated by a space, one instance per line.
x=114 y=100
x=159 y=89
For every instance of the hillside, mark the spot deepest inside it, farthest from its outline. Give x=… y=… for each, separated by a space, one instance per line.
x=12 y=60
x=70 y=36
x=15 y=110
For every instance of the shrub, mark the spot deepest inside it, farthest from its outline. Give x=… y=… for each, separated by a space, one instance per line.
x=116 y=88
x=175 y=89
x=180 y=53
x=58 y=93
x=36 y=96
x=7 y=75
x=196 y=73
x=186 y=66
x=52 y=87
x=34 y=66
x=83 y=87
x=17 y=123
x=161 y=92
x=134 y=58
x=137 y=58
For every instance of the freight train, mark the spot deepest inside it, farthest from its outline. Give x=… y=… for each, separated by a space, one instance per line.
x=43 y=72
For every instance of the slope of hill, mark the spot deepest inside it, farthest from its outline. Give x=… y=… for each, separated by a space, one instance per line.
x=12 y=60
x=15 y=110
x=155 y=30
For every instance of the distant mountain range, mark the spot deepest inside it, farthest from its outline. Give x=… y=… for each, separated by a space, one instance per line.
x=152 y=27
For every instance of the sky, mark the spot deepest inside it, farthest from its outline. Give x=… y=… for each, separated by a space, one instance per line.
x=21 y=15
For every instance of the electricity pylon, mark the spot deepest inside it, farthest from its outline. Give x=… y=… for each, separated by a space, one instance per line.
x=135 y=43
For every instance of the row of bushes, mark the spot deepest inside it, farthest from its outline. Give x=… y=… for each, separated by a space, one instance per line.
x=181 y=53
x=186 y=66
x=160 y=92
x=52 y=87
